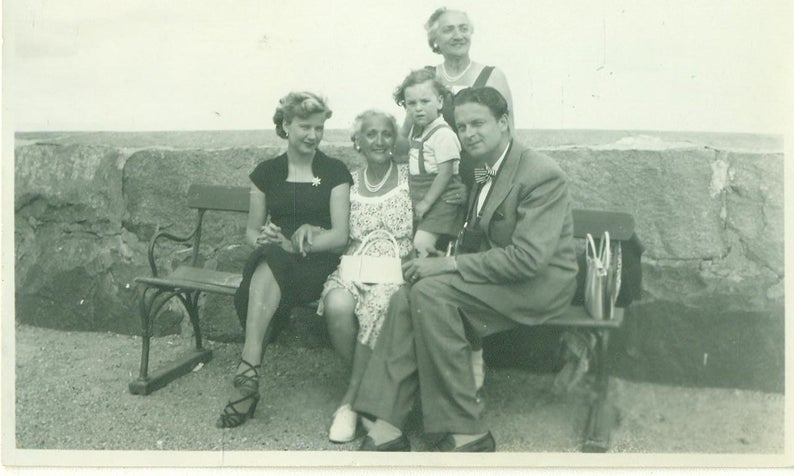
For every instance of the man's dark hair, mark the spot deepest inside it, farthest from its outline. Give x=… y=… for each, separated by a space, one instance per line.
x=487 y=96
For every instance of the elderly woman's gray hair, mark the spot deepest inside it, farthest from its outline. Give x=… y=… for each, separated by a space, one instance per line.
x=431 y=26
x=358 y=123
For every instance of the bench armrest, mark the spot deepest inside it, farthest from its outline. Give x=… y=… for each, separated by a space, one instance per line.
x=179 y=239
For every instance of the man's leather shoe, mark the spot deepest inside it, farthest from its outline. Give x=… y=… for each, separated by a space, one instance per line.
x=486 y=444
x=397 y=444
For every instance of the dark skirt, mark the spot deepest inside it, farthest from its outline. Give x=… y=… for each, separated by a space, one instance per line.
x=442 y=218
x=299 y=278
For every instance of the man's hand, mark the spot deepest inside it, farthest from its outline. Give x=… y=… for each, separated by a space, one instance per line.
x=419 y=268
x=455 y=194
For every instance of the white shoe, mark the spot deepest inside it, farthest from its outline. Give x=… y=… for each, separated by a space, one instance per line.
x=478 y=367
x=343 y=428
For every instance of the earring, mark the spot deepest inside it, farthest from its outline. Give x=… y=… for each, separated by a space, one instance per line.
x=286 y=134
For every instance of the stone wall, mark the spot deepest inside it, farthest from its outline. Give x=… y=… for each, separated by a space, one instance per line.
x=711 y=219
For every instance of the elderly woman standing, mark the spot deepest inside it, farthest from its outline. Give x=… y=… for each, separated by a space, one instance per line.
x=449 y=34
x=379 y=200
x=298 y=216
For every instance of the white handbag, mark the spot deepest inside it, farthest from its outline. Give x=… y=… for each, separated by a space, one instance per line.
x=602 y=281
x=361 y=268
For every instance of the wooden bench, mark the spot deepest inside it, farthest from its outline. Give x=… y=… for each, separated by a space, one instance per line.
x=187 y=282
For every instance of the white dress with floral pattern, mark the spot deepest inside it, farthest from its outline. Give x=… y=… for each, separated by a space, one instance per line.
x=391 y=212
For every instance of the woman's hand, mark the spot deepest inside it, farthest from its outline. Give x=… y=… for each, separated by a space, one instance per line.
x=455 y=194
x=303 y=238
x=269 y=233
x=419 y=268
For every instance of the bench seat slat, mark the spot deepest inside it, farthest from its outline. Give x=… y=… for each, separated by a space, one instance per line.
x=577 y=316
x=200 y=279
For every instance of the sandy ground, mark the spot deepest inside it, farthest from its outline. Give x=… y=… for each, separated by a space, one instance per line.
x=71 y=393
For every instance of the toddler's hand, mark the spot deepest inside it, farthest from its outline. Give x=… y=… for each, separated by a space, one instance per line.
x=420 y=209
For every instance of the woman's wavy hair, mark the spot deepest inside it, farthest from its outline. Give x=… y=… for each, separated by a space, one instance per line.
x=431 y=26
x=301 y=104
x=419 y=76
x=358 y=123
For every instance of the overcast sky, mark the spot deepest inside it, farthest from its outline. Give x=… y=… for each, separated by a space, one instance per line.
x=707 y=65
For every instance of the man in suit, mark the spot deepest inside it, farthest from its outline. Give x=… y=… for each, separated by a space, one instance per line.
x=515 y=265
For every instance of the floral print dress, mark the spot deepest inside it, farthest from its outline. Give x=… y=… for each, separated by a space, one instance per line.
x=391 y=212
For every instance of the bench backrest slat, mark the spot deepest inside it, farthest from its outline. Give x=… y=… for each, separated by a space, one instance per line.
x=218 y=197
x=620 y=225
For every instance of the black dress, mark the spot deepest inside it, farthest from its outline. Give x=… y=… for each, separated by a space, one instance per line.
x=290 y=205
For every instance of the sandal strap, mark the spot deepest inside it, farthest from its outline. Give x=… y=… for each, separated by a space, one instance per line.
x=244 y=381
x=231 y=417
x=251 y=367
x=230 y=409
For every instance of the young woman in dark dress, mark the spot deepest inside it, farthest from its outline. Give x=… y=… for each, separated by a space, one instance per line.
x=298 y=219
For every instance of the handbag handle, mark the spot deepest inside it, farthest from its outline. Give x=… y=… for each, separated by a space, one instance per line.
x=601 y=257
x=369 y=241
x=606 y=249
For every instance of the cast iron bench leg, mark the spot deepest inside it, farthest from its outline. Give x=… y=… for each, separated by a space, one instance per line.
x=151 y=301
x=603 y=415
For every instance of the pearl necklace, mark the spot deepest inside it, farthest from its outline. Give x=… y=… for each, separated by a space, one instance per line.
x=375 y=188
x=452 y=79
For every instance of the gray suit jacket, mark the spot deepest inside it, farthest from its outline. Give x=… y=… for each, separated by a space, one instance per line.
x=526 y=269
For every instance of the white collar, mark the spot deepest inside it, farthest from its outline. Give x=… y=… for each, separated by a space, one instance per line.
x=498 y=163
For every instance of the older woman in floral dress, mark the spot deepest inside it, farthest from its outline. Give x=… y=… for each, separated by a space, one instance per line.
x=379 y=200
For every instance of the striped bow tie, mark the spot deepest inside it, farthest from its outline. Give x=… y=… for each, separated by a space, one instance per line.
x=483 y=174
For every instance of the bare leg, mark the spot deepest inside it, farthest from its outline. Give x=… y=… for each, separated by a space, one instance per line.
x=338 y=308
x=424 y=242
x=343 y=427
x=264 y=297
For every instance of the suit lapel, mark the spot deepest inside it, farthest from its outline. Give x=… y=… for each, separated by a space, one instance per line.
x=502 y=184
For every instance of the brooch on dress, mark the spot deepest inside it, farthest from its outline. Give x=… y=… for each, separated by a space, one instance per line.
x=316 y=181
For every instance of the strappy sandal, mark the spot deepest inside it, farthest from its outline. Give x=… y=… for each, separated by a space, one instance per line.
x=231 y=417
x=248 y=385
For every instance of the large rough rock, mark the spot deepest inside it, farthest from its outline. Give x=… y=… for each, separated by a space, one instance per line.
x=711 y=219
x=75 y=264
